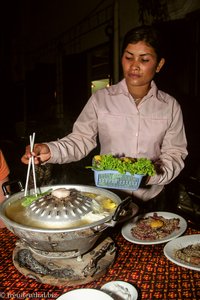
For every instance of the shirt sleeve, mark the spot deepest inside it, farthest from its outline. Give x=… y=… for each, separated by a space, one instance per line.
x=4 y=169
x=80 y=142
x=173 y=149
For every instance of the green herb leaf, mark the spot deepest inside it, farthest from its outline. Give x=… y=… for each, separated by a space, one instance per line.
x=141 y=166
x=28 y=200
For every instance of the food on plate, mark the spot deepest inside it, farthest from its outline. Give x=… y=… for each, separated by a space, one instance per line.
x=156 y=224
x=154 y=227
x=140 y=166
x=189 y=254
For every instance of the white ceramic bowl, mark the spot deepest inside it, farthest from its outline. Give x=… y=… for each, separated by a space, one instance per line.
x=85 y=294
x=120 y=290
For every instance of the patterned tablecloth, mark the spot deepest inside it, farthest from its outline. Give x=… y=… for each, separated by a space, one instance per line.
x=144 y=266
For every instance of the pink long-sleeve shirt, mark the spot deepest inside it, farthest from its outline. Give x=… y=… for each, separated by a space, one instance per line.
x=154 y=129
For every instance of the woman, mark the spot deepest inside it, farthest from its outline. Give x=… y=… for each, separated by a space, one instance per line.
x=4 y=173
x=132 y=118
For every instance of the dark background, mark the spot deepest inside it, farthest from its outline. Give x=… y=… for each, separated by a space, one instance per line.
x=180 y=77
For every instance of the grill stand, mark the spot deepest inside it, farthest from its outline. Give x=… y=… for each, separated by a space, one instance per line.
x=61 y=271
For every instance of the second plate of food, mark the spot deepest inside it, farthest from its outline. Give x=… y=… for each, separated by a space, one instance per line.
x=184 y=251
x=154 y=228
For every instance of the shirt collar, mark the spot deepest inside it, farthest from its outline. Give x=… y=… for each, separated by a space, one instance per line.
x=121 y=88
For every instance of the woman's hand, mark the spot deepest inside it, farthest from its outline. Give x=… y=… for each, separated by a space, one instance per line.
x=41 y=154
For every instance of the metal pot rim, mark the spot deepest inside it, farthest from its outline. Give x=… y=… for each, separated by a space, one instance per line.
x=83 y=188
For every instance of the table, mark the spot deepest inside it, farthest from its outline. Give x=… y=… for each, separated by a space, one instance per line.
x=144 y=266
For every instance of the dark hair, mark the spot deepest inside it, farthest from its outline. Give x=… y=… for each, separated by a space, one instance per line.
x=148 y=34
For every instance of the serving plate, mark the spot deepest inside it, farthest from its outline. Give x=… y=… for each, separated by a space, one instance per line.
x=85 y=294
x=174 y=245
x=126 y=229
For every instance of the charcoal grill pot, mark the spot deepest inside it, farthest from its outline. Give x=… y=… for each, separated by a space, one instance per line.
x=76 y=240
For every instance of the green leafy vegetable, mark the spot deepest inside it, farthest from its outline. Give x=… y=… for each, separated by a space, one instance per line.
x=141 y=166
x=28 y=200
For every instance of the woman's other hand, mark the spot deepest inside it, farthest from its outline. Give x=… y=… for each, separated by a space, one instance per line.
x=41 y=154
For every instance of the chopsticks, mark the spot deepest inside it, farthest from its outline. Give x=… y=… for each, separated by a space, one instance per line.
x=31 y=162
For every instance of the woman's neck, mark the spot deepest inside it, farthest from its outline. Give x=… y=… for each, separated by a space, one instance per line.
x=138 y=92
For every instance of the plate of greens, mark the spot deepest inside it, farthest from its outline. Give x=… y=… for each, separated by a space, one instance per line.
x=121 y=172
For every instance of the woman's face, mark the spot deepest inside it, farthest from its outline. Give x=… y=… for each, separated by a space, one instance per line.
x=139 y=63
